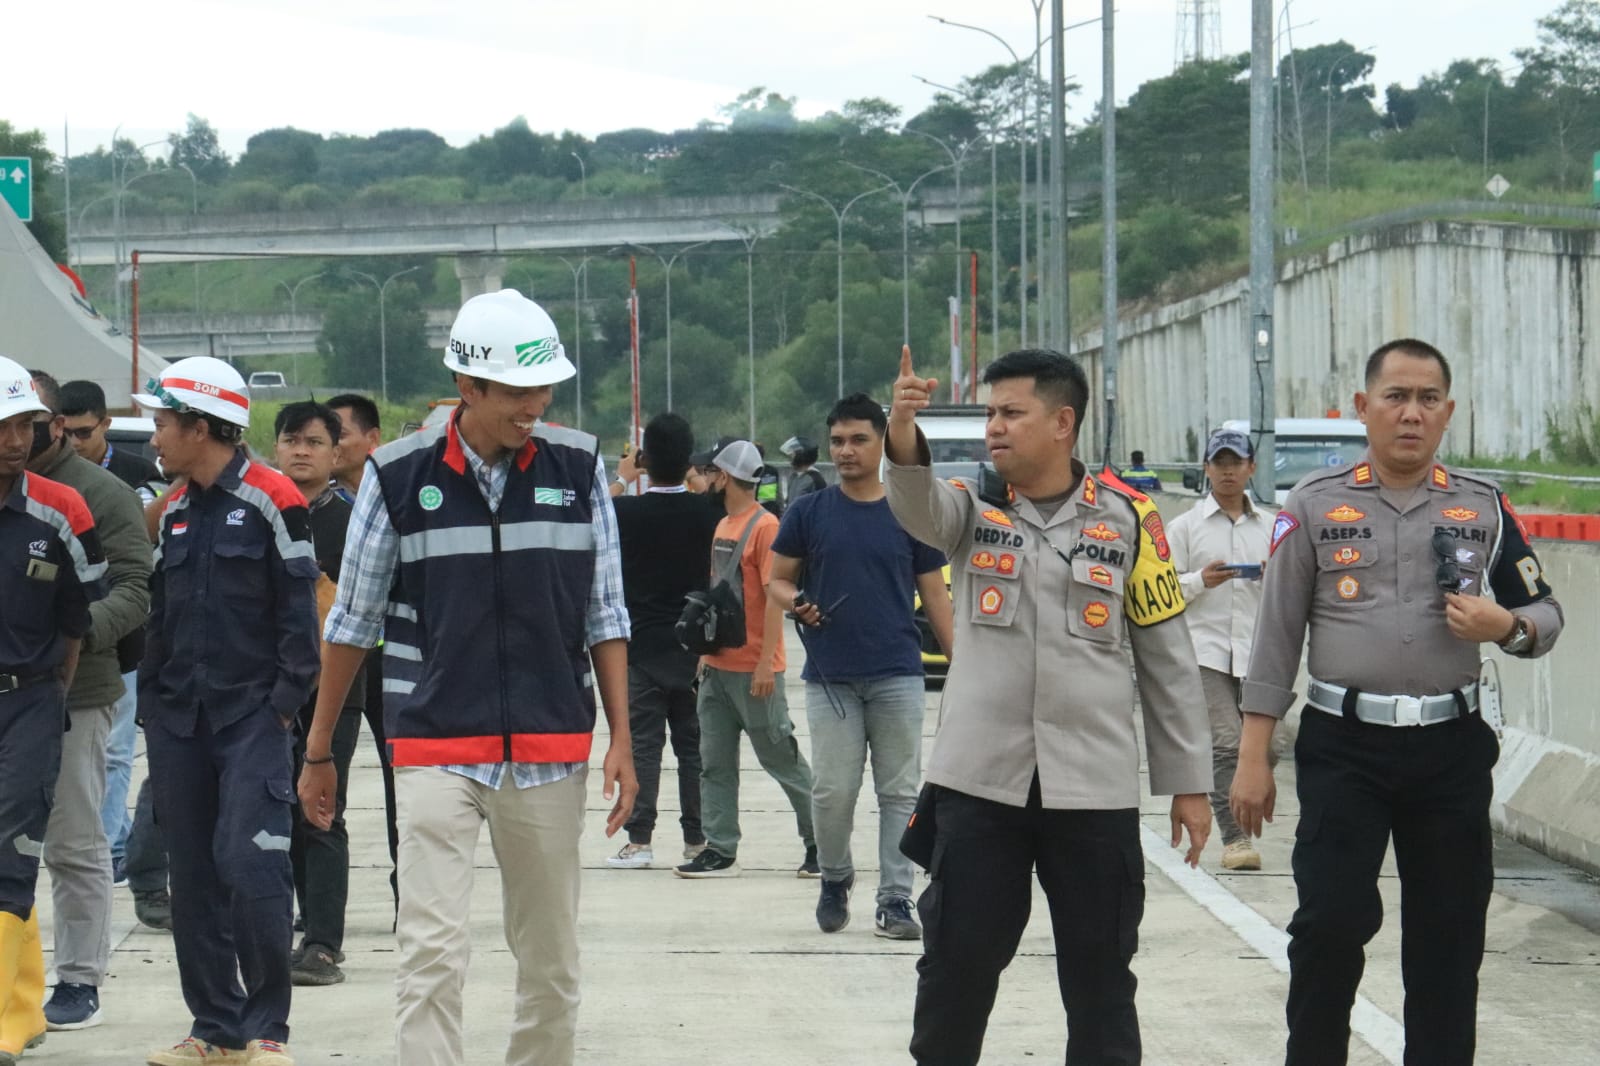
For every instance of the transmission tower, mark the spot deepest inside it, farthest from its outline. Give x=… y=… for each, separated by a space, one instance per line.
x=1199 y=32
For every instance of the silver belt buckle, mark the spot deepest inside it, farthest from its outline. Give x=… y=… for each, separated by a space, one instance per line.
x=1407 y=711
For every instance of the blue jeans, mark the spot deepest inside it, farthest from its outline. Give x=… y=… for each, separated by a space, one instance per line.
x=119 y=768
x=882 y=717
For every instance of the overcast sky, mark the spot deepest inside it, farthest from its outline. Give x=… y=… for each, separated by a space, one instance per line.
x=465 y=67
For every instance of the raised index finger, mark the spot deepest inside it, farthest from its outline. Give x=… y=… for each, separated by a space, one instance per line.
x=905 y=361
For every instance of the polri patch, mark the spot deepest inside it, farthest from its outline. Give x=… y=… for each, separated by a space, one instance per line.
x=991 y=601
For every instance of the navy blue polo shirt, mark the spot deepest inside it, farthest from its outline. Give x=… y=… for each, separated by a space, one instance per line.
x=51 y=569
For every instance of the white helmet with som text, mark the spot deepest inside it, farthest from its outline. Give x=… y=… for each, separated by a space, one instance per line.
x=17 y=394
x=506 y=337
x=200 y=385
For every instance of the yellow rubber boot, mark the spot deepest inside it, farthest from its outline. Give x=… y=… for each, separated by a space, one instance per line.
x=22 y=984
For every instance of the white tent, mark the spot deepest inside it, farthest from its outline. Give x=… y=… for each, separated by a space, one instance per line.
x=46 y=325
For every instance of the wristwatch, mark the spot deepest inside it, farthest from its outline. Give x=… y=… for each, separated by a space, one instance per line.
x=1521 y=638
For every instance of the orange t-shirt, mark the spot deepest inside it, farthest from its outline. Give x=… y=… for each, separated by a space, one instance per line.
x=756 y=568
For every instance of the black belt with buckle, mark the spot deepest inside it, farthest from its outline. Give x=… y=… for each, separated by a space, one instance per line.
x=14 y=682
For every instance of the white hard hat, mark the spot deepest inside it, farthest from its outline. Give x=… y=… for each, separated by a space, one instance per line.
x=506 y=337
x=17 y=394
x=200 y=384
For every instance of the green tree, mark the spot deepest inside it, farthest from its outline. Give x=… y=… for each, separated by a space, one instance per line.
x=284 y=156
x=47 y=226
x=350 y=341
x=1166 y=239
x=1185 y=139
x=1566 y=67
x=198 y=149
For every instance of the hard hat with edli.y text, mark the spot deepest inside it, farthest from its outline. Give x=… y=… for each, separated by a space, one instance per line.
x=506 y=337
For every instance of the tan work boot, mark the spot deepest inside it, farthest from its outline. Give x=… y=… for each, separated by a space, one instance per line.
x=268 y=1053
x=1241 y=855
x=192 y=1051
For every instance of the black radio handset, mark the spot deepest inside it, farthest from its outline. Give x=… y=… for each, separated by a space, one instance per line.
x=992 y=488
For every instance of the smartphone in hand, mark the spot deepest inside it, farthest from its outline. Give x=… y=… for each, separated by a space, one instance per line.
x=1245 y=571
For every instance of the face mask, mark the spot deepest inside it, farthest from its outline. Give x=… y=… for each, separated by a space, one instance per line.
x=41 y=439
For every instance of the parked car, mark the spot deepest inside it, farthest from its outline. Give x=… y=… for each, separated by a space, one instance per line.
x=935 y=665
x=267 y=379
x=133 y=435
x=1301 y=446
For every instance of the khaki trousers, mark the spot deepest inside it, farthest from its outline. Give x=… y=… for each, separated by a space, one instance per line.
x=534 y=833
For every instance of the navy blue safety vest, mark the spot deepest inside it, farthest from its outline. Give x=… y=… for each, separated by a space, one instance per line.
x=485 y=657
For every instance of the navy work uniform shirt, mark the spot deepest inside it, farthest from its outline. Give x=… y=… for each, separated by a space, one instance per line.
x=51 y=568
x=233 y=614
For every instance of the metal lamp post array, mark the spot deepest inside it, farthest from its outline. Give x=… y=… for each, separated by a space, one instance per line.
x=905 y=239
x=666 y=265
x=383 y=322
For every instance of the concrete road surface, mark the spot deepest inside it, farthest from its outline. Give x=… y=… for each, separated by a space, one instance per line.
x=733 y=972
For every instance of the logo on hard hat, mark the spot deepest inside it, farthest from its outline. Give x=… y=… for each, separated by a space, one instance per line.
x=536 y=353
x=430 y=497
x=205 y=387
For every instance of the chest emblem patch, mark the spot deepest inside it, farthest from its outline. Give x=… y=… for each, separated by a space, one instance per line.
x=1096 y=614
x=991 y=601
x=1102 y=532
x=1007 y=564
x=998 y=517
x=1345 y=513
x=983 y=561
x=1101 y=576
x=180 y=528
x=39 y=548
x=1346 y=556
x=1348 y=588
x=236 y=517
x=431 y=497
x=1459 y=514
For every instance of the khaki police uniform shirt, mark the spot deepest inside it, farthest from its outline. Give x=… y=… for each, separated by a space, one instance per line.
x=1355 y=562
x=1041 y=676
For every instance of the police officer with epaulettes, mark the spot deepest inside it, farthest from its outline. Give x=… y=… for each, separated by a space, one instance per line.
x=1036 y=763
x=1388 y=562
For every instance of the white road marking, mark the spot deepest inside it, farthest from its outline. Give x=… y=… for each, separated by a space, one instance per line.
x=1379 y=1031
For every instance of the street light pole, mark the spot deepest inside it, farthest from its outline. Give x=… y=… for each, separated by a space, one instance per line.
x=293 y=294
x=577 y=329
x=838 y=218
x=666 y=265
x=905 y=239
x=1327 y=116
x=956 y=159
x=748 y=238
x=583 y=176
x=991 y=120
x=383 y=323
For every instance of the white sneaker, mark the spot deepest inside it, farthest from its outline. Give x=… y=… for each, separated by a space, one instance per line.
x=632 y=857
x=1241 y=855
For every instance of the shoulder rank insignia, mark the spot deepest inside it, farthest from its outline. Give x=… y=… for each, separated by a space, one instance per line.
x=1362 y=474
x=1088 y=489
x=1441 y=477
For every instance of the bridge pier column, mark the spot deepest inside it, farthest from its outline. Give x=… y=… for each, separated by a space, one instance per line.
x=480 y=273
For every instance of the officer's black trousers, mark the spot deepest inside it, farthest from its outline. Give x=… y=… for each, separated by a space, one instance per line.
x=1428 y=787
x=976 y=907
x=32 y=720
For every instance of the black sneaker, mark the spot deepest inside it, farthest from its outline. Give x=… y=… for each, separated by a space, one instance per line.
x=833 y=905
x=153 y=908
x=894 y=920
x=708 y=864
x=808 y=867
x=72 y=1006
x=119 y=872
x=316 y=966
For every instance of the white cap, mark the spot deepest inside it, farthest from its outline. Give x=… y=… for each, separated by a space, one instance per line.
x=741 y=460
x=17 y=394
x=202 y=385
x=506 y=337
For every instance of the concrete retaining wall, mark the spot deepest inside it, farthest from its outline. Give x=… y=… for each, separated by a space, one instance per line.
x=1509 y=305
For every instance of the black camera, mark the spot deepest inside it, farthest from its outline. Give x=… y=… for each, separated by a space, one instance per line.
x=1447 y=571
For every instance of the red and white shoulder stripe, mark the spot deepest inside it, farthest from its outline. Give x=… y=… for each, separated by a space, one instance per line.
x=60 y=507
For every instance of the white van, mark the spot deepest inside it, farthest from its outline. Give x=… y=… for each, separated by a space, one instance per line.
x=955 y=433
x=1306 y=444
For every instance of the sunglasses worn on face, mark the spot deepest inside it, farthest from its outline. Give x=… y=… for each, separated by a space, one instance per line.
x=81 y=432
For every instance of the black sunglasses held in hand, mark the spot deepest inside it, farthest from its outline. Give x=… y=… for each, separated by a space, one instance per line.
x=1447 y=572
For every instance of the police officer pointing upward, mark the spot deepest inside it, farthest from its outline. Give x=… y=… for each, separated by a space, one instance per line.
x=1388 y=562
x=1036 y=763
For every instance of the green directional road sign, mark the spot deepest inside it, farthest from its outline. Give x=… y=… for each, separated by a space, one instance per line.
x=16 y=184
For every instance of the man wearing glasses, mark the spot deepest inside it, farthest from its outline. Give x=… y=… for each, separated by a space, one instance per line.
x=83 y=403
x=1388 y=562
